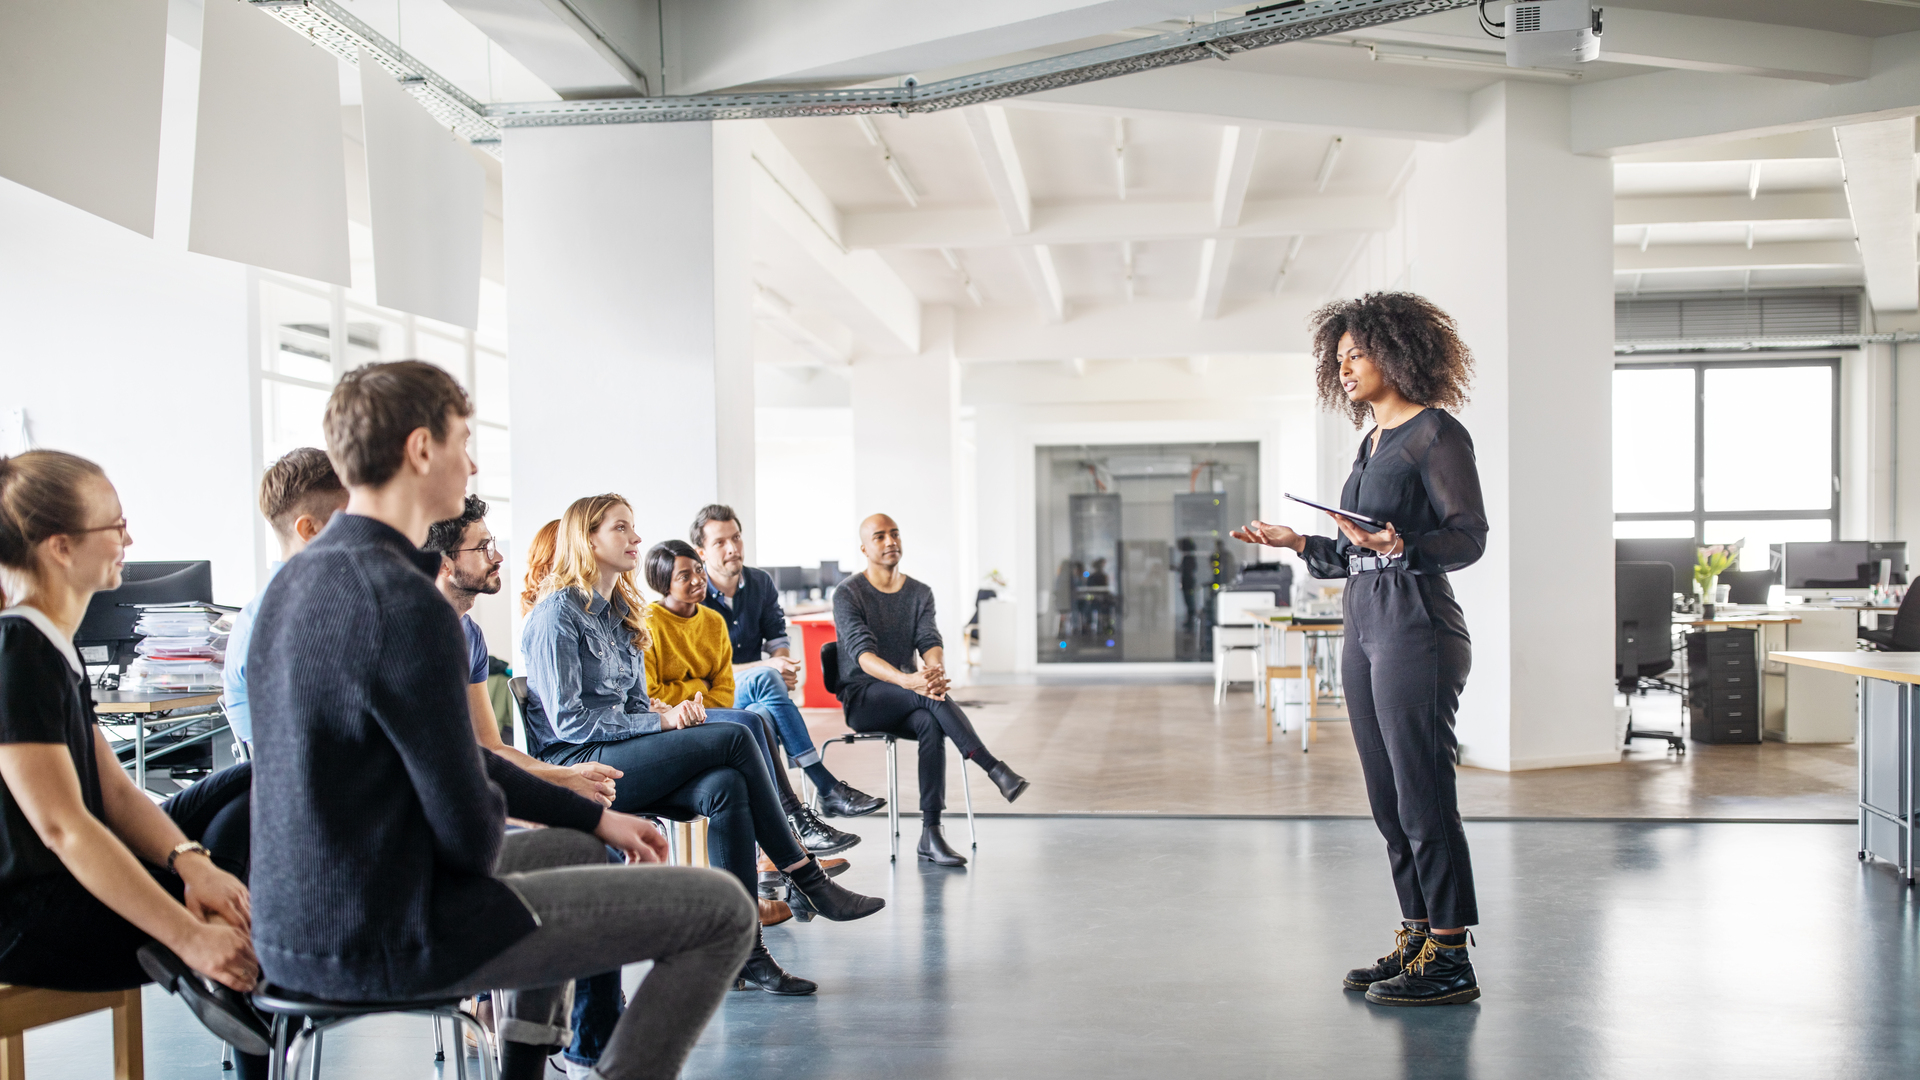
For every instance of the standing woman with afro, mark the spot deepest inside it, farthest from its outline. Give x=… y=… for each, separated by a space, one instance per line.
x=1398 y=359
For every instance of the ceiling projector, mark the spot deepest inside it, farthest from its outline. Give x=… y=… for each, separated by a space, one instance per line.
x=1559 y=34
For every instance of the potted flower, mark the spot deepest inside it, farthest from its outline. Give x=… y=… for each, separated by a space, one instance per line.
x=1711 y=562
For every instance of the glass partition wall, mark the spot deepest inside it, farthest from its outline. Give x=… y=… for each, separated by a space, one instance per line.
x=1133 y=544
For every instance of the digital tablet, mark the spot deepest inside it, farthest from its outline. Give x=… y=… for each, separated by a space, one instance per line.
x=1366 y=524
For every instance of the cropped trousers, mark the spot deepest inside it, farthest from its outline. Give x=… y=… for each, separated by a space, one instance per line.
x=1404 y=663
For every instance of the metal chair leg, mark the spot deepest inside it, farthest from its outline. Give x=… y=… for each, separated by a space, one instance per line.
x=313 y=1069
x=277 y=1064
x=893 y=795
x=226 y=1057
x=966 y=785
x=489 y=1068
x=439 y=1048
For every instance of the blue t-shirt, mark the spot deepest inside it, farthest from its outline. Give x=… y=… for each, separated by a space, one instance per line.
x=476 y=650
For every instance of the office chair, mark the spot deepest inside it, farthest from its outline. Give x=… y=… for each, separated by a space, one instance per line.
x=1235 y=639
x=1643 y=637
x=1905 y=635
x=1748 y=586
x=830 y=678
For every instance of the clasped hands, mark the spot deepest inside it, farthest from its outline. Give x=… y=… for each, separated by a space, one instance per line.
x=929 y=681
x=689 y=713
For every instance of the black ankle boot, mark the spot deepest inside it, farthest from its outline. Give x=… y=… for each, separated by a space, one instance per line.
x=842 y=800
x=830 y=900
x=1011 y=784
x=1407 y=942
x=523 y=1061
x=933 y=848
x=764 y=972
x=818 y=837
x=1439 y=974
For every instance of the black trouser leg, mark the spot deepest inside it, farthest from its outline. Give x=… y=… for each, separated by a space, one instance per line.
x=1406 y=660
x=217 y=811
x=901 y=712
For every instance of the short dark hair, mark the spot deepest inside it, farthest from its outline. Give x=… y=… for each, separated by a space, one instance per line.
x=660 y=563
x=445 y=536
x=711 y=512
x=1415 y=345
x=374 y=408
x=301 y=482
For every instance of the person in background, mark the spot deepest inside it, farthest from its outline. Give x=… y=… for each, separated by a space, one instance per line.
x=386 y=870
x=893 y=679
x=84 y=903
x=690 y=654
x=299 y=494
x=586 y=673
x=539 y=565
x=764 y=671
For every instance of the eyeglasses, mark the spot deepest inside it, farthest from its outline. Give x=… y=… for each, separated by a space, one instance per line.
x=118 y=526
x=487 y=547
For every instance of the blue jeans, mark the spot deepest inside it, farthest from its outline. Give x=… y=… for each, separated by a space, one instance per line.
x=762 y=690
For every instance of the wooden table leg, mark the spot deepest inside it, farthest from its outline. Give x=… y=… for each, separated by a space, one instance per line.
x=129 y=1056
x=13 y=1057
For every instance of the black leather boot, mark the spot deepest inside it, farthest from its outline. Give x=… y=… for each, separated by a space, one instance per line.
x=818 y=837
x=764 y=972
x=830 y=900
x=1438 y=974
x=1011 y=784
x=843 y=800
x=225 y=1012
x=1407 y=942
x=933 y=848
x=523 y=1061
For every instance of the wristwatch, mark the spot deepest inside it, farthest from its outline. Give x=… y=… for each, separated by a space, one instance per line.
x=191 y=847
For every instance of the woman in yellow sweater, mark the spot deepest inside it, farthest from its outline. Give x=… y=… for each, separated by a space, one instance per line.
x=691 y=656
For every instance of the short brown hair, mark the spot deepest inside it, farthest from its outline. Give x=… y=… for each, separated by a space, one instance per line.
x=374 y=408
x=709 y=513
x=301 y=482
x=1415 y=345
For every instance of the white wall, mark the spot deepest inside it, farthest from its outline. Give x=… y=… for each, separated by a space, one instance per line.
x=804 y=488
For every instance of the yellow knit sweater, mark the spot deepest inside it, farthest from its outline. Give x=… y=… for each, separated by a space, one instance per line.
x=689 y=655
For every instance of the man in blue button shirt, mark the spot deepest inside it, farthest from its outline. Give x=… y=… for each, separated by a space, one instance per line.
x=746 y=598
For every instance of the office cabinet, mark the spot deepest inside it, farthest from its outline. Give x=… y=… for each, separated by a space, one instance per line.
x=1723 y=686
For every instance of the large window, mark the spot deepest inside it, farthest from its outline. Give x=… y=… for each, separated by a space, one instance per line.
x=1727 y=450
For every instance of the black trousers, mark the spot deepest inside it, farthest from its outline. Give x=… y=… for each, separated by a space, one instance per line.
x=878 y=706
x=1405 y=661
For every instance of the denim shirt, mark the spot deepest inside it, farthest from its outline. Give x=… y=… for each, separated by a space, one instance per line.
x=586 y=680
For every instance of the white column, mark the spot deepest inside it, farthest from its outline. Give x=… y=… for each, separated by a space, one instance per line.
x=630 y=303
x=1515 y=239
x=906 y=464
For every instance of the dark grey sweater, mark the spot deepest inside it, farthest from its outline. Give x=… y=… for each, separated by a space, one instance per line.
x=897 y=627
x=376 y=816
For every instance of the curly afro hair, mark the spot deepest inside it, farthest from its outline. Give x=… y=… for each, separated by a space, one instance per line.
x=1415 y=345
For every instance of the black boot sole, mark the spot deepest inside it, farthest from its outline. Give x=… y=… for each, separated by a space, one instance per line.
x=1349 y=984
x=1019 y=790
x=833 y=849
x=221 y=1014
x=1457 y=997
x=834 y=812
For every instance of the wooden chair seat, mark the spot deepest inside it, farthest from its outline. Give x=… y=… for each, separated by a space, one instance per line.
x=26 y=1007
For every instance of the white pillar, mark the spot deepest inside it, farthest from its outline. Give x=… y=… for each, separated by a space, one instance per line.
x=906 y=463
x=630 y=303
x=1515 y=240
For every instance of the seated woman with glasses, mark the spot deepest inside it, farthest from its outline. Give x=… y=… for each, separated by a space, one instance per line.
x=100 y=889
x=587 y=701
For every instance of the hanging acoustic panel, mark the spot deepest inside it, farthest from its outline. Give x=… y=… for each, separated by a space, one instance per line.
x=81 y=83
x=269 y=162
x=428 y=198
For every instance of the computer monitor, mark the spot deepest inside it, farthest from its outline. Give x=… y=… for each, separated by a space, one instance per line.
x=1893 y=551
x=1679 y=553
x=106 y=631
x=1829 y=570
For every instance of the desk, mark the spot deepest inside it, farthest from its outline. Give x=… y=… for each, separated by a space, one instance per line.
x=1888 y=741
x=1797 y=705
x=146 y=707
x=1273 y=624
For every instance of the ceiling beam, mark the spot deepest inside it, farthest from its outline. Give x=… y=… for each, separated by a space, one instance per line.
x=1146 y=329
x=1795 y=255
x=1238 y=148
x=1000 y=160
x=555 y=43
x=1110 y=223
x=1694 y=209
x=1880 y=178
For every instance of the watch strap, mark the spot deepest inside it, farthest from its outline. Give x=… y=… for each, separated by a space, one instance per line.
x=191 y=847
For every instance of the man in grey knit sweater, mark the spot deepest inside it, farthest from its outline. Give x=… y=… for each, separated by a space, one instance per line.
x=893 y=678
x=381 y=863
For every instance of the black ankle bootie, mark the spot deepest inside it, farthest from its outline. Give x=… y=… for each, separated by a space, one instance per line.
x=1011 y=784
x=762 y=971
x=818 y=837
x=225 y=1012
x=829 y=900
x=1438 y=974
x=933 y=848
x=1408 y=940
x=843 y=800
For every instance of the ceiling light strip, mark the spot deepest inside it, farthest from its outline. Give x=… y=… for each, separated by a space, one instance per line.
x=1277 y=25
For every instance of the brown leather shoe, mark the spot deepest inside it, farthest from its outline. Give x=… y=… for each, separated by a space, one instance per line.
x=766 y=865
x=833 y=867
x=774 y=912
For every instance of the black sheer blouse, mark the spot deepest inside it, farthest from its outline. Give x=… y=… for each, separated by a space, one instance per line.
x=1422 y=479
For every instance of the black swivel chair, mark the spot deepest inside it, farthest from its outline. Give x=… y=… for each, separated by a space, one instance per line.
x=1643 y=637
x=830 y=678
x=1905 y=635
x=1748 y=586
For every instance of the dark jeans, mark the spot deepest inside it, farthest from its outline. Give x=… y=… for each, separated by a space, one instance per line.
x=56 y=935
x=1405 y=662
x=878 y=706
x=714 y=771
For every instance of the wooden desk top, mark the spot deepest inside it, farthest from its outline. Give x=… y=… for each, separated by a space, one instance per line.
x=1893 y=667
x=135 y=701
x=1756 y=619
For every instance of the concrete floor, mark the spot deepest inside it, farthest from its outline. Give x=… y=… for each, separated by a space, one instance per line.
x=1143 y=947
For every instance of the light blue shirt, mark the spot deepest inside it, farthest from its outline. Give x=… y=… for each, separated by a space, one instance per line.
x=586 y=680
x=234 y=674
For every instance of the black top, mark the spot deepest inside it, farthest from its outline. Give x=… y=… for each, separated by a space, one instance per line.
x=1423 y=480
x=377 y=818
x=755 y=621
x=42 y=700
x=897 y=627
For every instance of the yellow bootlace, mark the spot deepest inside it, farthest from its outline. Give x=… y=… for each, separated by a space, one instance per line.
x=1430 y=952
x=1400 y=937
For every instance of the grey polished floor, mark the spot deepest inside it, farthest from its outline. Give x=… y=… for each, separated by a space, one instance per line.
x=1143 y=947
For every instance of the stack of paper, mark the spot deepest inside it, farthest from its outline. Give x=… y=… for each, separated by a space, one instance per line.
x=181 y=649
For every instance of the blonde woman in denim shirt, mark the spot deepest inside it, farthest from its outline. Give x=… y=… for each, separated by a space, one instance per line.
x=587 y=684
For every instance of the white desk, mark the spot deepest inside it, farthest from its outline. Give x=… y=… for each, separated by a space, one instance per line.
x=1798 y=704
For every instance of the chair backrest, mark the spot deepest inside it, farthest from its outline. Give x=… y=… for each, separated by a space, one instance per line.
x=518 y=684
x=1230 y=608
x=1643 y=619
x=1906 y=623
x=1748 y=586
x=518 y=687
x=830 y=667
